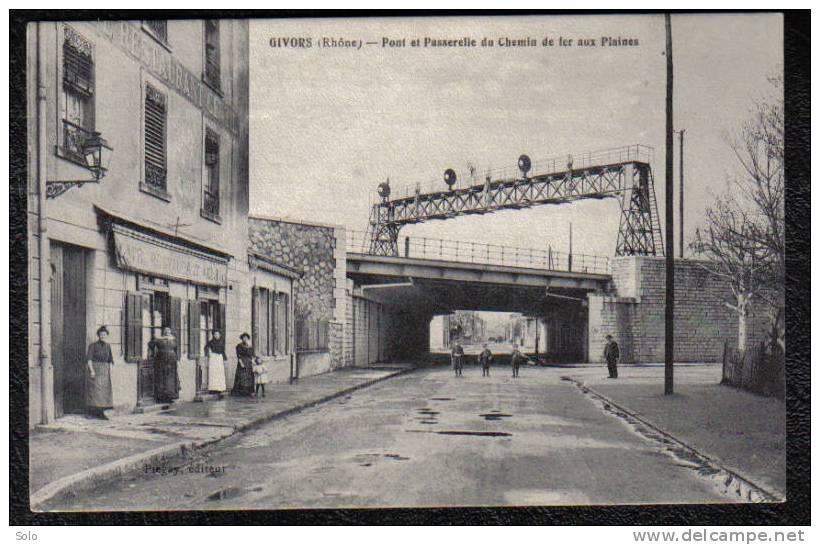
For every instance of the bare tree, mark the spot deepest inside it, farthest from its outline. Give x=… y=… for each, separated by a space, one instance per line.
x=745 y=233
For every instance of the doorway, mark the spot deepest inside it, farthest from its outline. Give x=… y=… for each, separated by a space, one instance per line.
x=69 y=330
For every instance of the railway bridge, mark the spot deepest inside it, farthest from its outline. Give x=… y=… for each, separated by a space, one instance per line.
x=397 y=285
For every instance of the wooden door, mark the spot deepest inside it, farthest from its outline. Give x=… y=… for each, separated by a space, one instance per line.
x=68 y=327
x=57 y=326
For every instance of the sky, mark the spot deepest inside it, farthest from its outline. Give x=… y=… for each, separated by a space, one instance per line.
x=327 y=125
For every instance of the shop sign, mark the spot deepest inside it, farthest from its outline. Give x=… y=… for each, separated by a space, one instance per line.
x=144 y=256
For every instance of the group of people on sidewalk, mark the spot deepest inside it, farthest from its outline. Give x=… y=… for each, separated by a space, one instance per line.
x=485 y=358
x=249 y=379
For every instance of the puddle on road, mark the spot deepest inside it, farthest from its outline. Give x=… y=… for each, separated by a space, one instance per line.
x=370 y=458
x=476 y=433
x=495 y=415
x=231 y=492
x=442 y=399
x=396 y=457
x=428 y=422
x=464 y=432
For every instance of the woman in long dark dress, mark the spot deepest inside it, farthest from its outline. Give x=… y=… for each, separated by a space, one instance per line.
x=243 y=378
x=165 y=351
x=98 y=381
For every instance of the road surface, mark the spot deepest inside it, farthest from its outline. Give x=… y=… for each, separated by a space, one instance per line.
x=423 y=439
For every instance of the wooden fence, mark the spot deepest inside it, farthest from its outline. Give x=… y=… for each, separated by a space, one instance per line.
x=312 y=336
x=758 y=369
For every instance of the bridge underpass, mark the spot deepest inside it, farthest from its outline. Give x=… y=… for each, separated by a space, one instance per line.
x=395 y=298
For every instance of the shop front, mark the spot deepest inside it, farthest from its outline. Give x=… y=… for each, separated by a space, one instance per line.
x=171 y=284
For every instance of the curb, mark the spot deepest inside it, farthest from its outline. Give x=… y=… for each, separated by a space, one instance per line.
x=767 y=494
x=96 y=476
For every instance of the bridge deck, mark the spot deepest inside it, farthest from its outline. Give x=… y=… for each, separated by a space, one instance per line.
x=391 y=266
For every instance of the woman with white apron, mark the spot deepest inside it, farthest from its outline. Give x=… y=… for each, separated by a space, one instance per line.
x=215 y=353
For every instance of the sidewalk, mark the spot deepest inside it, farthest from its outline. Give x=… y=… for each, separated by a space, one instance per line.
x=744 y=431
x=76 y=453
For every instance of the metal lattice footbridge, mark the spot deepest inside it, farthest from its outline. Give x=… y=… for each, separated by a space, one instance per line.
x=621 y=173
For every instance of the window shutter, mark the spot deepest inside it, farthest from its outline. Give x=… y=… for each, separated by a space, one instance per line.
x=193 y=329
x=175 y=316
x=156 y=113
x=78 y=63
x=159 y=27
x=212 y=61
x=133 y=327
x=255 y=317
x=285 y=328
x=275 y=320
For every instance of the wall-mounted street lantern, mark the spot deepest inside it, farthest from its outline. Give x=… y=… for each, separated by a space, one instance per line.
x=97 y=155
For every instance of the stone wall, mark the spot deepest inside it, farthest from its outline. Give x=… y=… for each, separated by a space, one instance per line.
x=635 y=313
x=318 y=251
x=306 y=248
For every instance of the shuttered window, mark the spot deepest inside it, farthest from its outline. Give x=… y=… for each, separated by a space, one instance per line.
x=193 y=329
x=255 y=310
x=133 y=327
x=77 y=101
x=156 y=117
x=158 y=28
x=212 y=55
x=210 y=197
x=264 y=346
x=78 y=62
x=282 y=323
x=270 y=322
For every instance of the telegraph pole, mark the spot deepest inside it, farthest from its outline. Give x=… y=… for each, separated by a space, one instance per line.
x=570 y=247
x=680 y=200
x=668 y=382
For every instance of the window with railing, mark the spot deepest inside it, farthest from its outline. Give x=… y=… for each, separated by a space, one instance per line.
x=157 y=28
x=156 y=118
x=77 y=102
x=211 y=73
x=312 y=335
x=210 y=189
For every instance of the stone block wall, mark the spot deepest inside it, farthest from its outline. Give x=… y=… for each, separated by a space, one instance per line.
x=635 y=313
x=307 y=248
x=609 y=315
x=336 y=334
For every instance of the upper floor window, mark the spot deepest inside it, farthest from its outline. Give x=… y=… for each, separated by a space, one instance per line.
x=158 y=28
x=210 y=194
x=77 y=104
x=212 y=62
x=156 y=116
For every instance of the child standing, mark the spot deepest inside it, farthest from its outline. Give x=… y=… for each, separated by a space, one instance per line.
x=260 y=376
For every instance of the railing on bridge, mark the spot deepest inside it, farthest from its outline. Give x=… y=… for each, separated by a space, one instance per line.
x=467 y=177
x=486 y=254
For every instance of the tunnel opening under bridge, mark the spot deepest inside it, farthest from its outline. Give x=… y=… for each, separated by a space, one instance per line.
x=555 y=333
x=397 y=312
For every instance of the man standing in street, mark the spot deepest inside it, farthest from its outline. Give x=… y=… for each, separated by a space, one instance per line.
x=517 y=359
x=457 y=355
x=612 y=354
x=485 y=358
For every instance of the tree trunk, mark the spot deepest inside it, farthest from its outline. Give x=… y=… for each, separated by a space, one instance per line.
x=742 y=315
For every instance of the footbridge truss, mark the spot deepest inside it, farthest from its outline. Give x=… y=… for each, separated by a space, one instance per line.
x=621 y=173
